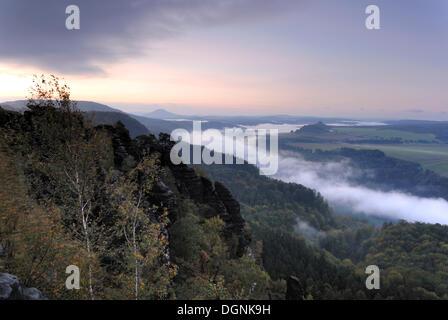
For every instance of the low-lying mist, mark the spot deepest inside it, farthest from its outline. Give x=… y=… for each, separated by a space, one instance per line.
x=331 y=179
x=334 y=180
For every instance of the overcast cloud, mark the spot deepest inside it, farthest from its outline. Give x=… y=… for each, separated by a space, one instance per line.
x=34 y=33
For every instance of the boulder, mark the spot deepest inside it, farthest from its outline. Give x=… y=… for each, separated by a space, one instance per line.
x=12 y=289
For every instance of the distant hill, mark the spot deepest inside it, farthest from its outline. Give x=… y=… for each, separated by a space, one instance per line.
x=135 y=128
x=19 y=105
x=87 y=106
x=97 y=112
x=317 y=128
x=84 y=106
x=162 y=114
x=103 y=114
x=156 y=126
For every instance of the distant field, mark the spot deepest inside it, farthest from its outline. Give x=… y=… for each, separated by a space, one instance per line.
x=386 y=133
x=432 y=157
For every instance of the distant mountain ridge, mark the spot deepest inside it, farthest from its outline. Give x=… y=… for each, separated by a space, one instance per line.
x=84 y=106
x=134 y=126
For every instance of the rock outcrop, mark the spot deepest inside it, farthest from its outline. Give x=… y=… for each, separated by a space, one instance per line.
x=220 y=202
x=235 y=224
x=12 y=289
x=294 y=289
x=215 y=199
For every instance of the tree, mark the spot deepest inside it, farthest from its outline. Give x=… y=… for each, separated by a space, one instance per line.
x=34 y=245
x=145 y=231
x=70 y=155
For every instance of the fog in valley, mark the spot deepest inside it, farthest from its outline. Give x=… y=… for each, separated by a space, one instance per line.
x=332 y=180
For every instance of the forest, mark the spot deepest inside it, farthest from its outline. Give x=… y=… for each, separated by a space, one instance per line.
x=88 y=194
x=93 y=197
x=329 y=255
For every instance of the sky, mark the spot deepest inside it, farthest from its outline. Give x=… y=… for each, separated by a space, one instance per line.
x=298 y=57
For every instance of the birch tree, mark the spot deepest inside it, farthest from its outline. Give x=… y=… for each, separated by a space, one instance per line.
x=71 y=156
x=144 y=231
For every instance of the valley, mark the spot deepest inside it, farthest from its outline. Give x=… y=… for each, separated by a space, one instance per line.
x=246 y=152
x=433 y=157
x=341 y=192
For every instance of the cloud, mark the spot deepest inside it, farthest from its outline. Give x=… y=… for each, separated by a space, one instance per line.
x=34 y=33
x=331 y=179
x=303 y=228
x=253 y=146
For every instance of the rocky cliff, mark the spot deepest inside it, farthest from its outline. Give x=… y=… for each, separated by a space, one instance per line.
x=215 y=199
